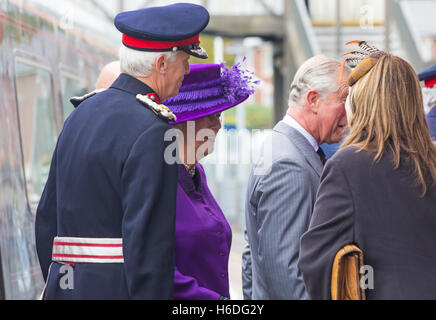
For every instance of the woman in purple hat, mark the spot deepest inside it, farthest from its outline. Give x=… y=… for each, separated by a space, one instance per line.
x=203 y=235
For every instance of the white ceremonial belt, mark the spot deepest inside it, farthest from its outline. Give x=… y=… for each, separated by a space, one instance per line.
x=91 y=250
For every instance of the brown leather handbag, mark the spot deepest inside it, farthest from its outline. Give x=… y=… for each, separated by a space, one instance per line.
x=345 y=283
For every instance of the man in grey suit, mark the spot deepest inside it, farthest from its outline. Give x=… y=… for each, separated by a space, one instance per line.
x=284 y=180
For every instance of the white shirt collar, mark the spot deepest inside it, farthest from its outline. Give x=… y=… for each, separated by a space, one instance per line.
x=294 y=124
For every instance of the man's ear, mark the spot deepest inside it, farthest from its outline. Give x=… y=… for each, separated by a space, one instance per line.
x=161 y=64
x=312 y=100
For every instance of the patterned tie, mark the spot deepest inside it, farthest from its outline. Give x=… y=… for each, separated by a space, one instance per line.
x=322 y=156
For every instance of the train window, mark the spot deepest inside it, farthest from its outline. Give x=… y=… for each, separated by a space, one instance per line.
x=37 y=125
x=71 y=86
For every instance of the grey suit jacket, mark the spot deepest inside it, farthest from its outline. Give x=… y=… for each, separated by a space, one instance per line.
x=280 y=197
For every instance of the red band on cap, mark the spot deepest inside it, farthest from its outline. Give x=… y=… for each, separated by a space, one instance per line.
x=148 y=44
x=430 y=82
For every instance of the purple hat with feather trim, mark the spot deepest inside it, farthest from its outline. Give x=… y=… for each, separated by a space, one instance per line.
x=209 y=89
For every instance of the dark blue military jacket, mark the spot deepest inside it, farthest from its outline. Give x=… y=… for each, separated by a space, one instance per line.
x=108 y=179
x=431 y=120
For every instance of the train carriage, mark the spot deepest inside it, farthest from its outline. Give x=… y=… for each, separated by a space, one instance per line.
x=44 y=61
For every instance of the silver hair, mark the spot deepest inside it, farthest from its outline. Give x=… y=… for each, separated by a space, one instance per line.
x=319 y=73
x=140 y=63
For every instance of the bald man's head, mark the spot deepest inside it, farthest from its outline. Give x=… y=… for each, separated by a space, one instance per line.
x=108 y=75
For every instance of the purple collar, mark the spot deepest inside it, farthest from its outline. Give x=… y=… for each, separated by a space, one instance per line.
x=187 y=182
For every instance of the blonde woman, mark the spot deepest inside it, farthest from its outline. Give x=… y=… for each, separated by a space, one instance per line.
x=379 y=190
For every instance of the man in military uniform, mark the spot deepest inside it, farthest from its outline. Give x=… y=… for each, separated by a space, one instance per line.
x=106 y=219
x=429 y=78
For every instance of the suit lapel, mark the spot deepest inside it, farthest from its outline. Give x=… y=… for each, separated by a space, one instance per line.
x=302 y=145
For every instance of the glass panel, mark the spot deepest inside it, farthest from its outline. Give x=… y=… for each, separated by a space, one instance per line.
x=352 y=13
x=20 y=269
x=421 y=14
x=37 y=125
x=225 y=7
x=71 y=87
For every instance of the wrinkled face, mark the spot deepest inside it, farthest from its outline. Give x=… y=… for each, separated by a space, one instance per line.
x=176 y=71
x=206 y=129
x=333 y=118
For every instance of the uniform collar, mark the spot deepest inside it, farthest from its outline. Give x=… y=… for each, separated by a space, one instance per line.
x=132 y=85
x=186 y=181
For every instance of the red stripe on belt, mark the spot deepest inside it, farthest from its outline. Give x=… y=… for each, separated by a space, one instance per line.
x=59 y=255
x=87 y=244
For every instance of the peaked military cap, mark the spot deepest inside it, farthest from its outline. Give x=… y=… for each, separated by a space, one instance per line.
x=428 y=76
x=168 y=28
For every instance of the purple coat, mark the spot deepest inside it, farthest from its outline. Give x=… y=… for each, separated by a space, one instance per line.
x=202 y=243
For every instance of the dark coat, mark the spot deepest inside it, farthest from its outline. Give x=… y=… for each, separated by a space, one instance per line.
x=378 y=209
x=431 y=120
x=108 y=179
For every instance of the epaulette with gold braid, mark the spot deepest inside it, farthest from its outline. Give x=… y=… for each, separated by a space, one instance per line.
x=78 y=100
x=159 y=109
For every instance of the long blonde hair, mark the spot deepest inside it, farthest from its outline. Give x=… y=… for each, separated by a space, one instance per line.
x=388 y=114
